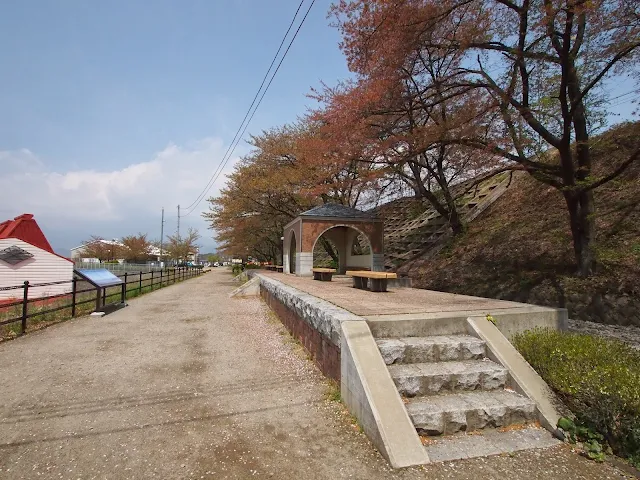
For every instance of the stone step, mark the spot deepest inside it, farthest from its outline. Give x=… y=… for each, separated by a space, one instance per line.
x=437 y=348
x=467 y=411
x=488 y=442
x=440 y=377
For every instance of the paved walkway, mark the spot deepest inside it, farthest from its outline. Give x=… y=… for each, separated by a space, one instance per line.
x=187 y=383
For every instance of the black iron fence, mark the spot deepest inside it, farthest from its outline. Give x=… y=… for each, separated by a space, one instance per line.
x=82 y=297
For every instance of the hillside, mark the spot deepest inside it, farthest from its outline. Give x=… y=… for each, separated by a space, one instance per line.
x=519 y=248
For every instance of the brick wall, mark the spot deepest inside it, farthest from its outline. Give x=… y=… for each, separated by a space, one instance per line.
x=325 y=355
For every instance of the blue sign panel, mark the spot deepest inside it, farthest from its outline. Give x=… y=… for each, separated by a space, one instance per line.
x=100 y=277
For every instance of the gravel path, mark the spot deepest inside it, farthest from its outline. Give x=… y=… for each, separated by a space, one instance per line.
x=628 y=333
x=187 y=383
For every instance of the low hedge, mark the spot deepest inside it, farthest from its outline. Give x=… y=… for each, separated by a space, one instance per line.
x=598 y=379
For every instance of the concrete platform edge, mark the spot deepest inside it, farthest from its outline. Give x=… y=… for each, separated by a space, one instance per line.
x=323 y=316
x=511 y=320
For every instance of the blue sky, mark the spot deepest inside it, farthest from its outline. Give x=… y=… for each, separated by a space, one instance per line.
x=97 y=87
x=111 y=110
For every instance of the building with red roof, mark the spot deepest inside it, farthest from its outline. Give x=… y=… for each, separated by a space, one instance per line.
x=26 y=255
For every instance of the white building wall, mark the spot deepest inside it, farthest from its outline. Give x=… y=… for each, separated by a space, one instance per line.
x=360 y=261
x=304 y=264
x=43 y=267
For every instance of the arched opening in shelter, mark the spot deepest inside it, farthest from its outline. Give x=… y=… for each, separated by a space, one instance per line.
x=344 y=248
x=325 y=253
x=292 y=253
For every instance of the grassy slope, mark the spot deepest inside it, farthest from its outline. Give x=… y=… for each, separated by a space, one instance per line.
x=520 y=248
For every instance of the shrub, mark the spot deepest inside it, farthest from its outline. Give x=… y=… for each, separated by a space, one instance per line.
x=237 y=269
x=598 y=379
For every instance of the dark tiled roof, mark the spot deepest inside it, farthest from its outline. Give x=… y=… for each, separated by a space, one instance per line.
x=336 y=210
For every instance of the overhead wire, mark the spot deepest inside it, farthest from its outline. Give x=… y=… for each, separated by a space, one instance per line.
x=238 y=136
x=257 y=105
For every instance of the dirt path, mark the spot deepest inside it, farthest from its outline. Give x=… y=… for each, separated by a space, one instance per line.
x=187 y=383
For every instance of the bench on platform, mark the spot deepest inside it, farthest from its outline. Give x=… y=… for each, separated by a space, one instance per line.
x=323 y=274
x=378 y=279
x=279 y=268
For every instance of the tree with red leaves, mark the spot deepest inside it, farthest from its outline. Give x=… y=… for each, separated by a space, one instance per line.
x=543 y=68
x=399 y=114
x=287 y=172
x=136 y=248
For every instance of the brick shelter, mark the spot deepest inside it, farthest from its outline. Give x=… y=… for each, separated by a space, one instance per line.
x=340 y=224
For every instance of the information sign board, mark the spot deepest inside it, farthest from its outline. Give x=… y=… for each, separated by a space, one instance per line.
x=100 y=277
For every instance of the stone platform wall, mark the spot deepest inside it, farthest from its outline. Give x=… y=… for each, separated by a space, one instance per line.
x=314 y=322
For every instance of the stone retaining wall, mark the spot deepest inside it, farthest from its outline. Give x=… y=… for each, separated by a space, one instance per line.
x=312 y=321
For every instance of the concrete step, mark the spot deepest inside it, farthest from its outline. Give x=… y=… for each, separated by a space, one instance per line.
x=467 y=411
x=418 y=324
x=488 y=442
x=440 y=377
x=437 y=348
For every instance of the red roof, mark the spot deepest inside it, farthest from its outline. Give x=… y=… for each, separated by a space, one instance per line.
x=25 y=228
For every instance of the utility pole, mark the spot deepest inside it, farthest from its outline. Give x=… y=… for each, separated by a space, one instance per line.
x=178 y=221
x=161 y=235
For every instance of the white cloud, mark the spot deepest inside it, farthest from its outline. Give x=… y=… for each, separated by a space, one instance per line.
x=121 y=202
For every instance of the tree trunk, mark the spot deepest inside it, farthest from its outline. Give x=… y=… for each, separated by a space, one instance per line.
x=330 y=251
x=446 y=209
x=581 y=218
x=455 y=222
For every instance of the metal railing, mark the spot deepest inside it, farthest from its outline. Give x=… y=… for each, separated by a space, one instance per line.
x=120 y=267
x=82 y=294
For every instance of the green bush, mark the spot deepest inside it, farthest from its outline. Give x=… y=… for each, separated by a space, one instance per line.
x=598 y=379
x=237 y=269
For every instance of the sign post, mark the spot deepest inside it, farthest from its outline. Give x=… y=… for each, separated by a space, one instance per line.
x=102 y=279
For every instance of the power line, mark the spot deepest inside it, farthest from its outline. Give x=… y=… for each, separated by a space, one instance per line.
x=623 y=95
x=256 y=108
x=264 y=79
x=621 y=99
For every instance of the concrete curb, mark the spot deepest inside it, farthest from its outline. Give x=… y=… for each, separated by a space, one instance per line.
x=248 y=289
x=518 y=320
x=523 y=378
x=369 y=393
x=241 y=277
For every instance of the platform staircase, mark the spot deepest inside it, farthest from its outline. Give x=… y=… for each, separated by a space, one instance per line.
x=458 y=399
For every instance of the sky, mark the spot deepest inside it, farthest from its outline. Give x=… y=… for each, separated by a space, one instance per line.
x=111 y=110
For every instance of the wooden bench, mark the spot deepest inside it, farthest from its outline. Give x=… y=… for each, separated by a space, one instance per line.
x=378 y=279
x=323 y=274
x=279 y=268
